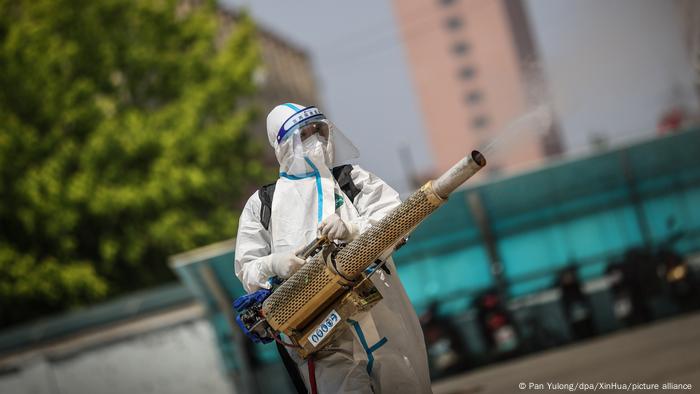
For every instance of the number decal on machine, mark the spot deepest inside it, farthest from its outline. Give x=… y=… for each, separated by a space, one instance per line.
x=324 y=328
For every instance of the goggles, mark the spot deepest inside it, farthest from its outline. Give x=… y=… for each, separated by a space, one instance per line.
x=316 y=127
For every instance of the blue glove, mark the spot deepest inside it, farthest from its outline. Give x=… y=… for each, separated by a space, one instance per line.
x=242 y=304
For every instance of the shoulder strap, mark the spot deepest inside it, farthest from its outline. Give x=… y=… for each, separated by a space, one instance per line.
x=344 y=179
x=265 y=194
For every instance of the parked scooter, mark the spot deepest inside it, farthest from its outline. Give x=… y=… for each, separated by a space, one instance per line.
x=634 y=283
x=678 y=276
x=447 y=353
x=644 y=273
x=496 y=324
x=577 y=306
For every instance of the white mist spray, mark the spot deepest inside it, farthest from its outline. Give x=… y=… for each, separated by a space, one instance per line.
x=536 y=121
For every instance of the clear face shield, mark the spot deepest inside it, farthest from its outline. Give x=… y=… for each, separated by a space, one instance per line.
x=308 y=141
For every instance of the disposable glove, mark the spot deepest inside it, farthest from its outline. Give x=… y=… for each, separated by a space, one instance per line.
x=283 y=264
x=334 y=228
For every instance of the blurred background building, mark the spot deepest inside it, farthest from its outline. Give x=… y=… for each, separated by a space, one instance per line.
x=478 y=66
x=475 y=69
x=285 y=74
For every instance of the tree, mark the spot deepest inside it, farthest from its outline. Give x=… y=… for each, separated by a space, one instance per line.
x=122 y=141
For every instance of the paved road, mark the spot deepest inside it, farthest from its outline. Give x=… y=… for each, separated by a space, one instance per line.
x=667 y=351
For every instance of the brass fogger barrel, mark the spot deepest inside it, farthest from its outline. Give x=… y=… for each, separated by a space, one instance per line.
x=316 y=284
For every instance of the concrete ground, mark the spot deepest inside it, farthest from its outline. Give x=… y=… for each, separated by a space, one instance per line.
x=659 y=353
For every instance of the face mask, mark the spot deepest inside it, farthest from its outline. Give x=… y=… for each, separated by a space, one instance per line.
x=315 y=147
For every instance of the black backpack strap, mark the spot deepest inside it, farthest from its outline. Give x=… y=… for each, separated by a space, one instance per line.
x=344 y=179
x=265 y=194
x=292 y=369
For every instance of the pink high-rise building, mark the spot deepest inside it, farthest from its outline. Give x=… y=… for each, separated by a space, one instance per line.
x=473 y=64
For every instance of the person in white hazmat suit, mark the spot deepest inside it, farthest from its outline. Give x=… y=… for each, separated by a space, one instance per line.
x=383 y=350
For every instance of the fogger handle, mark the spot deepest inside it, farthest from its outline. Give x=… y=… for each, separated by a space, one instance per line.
x=312 y=247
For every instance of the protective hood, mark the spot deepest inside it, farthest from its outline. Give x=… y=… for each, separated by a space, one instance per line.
x=307 y=146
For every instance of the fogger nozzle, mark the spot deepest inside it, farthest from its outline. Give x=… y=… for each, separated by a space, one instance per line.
x=458 y=174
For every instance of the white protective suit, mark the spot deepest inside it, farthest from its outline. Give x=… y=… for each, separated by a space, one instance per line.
x=383 y=350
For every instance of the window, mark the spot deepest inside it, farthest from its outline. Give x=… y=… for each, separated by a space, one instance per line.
x=467 y=72
x=460 y=48
x=453 y=23
x=480 y=122
x=474 y=97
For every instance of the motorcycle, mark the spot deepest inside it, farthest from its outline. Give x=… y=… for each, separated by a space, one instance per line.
x=497 y=326
x=577 y=306
x=447 y=353
x=678 y=276
x=646 y=273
